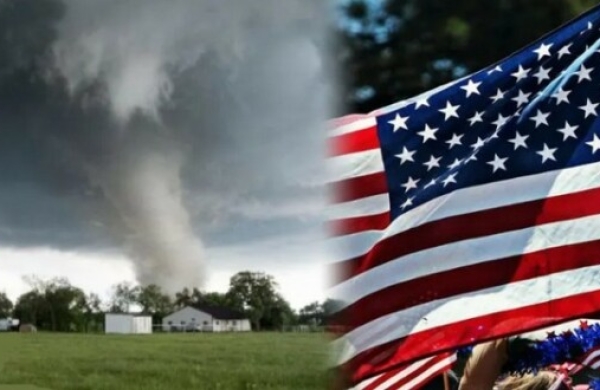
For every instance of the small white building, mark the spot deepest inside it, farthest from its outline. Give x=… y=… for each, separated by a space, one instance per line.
x=8 y=324
x=206 y=319
x=123 y=323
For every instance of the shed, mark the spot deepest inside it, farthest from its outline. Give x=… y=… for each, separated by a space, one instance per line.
x=127 y=323
x=206 y=319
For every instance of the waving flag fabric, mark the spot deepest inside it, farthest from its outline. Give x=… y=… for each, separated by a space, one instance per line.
x=472 y=211
x=411 y=376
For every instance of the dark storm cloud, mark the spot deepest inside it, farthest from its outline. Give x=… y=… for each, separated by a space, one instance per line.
x=150 y=121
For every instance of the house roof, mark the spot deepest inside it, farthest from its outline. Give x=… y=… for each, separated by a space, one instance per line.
x=129 y=314
x=220 y=313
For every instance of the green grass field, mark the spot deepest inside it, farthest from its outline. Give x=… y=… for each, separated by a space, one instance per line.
x=164 y=361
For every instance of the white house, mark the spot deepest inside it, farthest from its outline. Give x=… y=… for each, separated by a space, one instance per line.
x=127 y=323
x=206 y=319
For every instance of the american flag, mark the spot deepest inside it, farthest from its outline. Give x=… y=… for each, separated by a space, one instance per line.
x=411 y=376
x=472 y=211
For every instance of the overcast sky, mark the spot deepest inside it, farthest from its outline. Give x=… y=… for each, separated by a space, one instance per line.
x=167 y=141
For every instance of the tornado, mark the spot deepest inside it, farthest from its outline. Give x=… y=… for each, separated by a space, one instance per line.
x=154 y=120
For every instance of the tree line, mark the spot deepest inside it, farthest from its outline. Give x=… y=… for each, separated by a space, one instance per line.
x=57 y=305
x=390 y=50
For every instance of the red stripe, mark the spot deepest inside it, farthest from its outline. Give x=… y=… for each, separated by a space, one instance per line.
x=468 y=279
x=445 y=338
x=424 y=366
x=473 y=225
x=404 y=381
x=341 y=227
x=357 y=141
x=384 y=377
x=343 y=270
x=359 y=187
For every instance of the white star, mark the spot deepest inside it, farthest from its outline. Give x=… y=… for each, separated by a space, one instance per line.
x=584 y=74
x=561 y=96
x=498 y=163
x=589 y=108
x=434 y=162
x=523 y=98
x=564 y=51
x=399 y=122
x=499 y=96
x=454 y=141
x=542 y=74
x=406 y=155
x=421 y=102
x=594 y=144
x=547 y=153
x=410 y=184
x=449 y=111
x=449 y=179
x=498 y=68
x=409 y=202
x=543 y=50
x=478 y=144
x=428 y=133
x=501 y=121
x=471 y=88
x=455 y=164
x=521 y=73
x=568 y=131
x=431 y=183
x=540 y=118
x=477 y=117
x=519 y=140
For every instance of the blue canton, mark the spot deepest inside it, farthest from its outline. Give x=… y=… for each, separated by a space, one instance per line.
x=533 y=112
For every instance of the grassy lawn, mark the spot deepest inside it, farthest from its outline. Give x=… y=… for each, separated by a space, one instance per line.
x=164 y=361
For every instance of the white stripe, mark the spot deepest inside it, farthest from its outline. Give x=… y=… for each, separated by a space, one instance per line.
x=465 y=306
x=354 y=165
x=404 y=373
x=542 y=334
x=589 y=359
x=358 y=208
x=503 y=193
x=365 y=383
x=352 y=245
x=478 y=198
x=467 y=253
x=439 y=366
x=357 y=125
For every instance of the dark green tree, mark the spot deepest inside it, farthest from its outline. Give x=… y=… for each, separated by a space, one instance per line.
x=214 y=299
x=183 y=298
x=256 y=294
x=153 y=301
x=53 y=305
x=312 y=314
x=6 y=306
x=29 y=308
x=395 y=49
x=124 y=295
